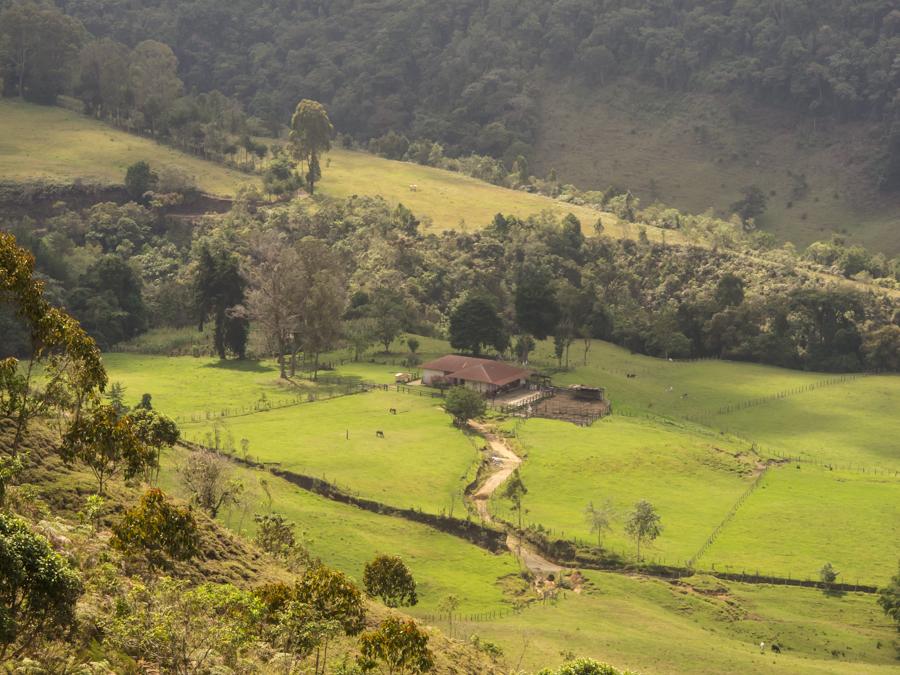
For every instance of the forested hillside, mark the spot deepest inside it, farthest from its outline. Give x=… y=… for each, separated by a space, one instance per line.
x=463 y=72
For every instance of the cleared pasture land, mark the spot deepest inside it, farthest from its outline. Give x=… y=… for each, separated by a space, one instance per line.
x=801 y=517
x=706 y=627
x=422 y=462
x=185 y=386
x=692 y=480
x=789 y=412
x=451 y=200
x=347 y=538
x=44 y=143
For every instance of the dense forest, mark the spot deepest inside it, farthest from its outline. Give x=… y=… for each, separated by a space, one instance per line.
x=313 y=276
x=465 y=73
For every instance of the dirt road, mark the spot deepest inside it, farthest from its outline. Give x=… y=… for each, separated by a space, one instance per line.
x=504 y=462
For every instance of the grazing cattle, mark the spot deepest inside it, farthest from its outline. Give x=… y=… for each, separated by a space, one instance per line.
x=684 y=395
x=379 y=434
x=630 y=376
x=393 y=411
x=762 y=647
x=413 y=188
x=776 y=648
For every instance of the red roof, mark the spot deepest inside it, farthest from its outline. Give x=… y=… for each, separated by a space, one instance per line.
x=472 y=369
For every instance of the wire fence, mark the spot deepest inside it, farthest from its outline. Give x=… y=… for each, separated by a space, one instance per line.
x=266 y=404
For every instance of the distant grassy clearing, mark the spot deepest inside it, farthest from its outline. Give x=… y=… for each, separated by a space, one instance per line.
x=654 y=627
x=449 y=198
x=422 y=461
x=692 y=480
x=346 y=538
x=57 y=145
x=799 y=519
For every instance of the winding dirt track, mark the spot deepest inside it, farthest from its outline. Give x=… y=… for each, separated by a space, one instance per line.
x=506 y=461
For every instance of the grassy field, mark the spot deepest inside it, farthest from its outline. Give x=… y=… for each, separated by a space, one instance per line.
x=57 y=145
x=692 y=480
x=346 y=538
x=711 y=628
x=690 y=151
x=185 y=387
x=850 y=422
x=422 y=462
x=451 y=200
x=54 y=144
x=800 y=518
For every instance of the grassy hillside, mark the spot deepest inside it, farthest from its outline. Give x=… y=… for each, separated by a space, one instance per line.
x=451 y=200
x=697 y=151
x=56 y=145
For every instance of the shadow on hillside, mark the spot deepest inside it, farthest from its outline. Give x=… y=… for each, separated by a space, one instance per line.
x=244 y=366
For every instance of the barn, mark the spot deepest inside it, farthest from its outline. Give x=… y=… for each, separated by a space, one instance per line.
x=484 y=375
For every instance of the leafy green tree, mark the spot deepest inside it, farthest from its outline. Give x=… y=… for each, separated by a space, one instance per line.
x=280 y=177
x=448 y=605
x=599 y=518
x=333 y=597
x=158 y=530
x=103 y=77
x=109 y=301
x=275 y=534
x=140 y=179
x=388 y=578
x=537 y=311
x=108 y=442
x=300 y=629
x=889 y=598
x=38 y=589
x=182 y=628
x=219 y=290
x=70 y=368
x=39 y=45
x=643 y=524
x=584 y=667
x=828 y=575
x=750 y=206
x=475 y=324
x=464 y=404
x=389 y=312
x=310 y=137
x=514 y=490
x=154 y=81
x=730 y=291
x=401 y=646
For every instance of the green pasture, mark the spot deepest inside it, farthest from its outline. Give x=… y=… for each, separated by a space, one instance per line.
x=854 y=422
x=423 y=461
x=655 y=627
x=692 y=479
x=186 y=386
x=451 y=200
x=346 y=538
x=800 y=518
x=60 y=146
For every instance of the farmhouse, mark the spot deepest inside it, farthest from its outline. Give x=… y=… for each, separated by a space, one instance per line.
x=484 y=375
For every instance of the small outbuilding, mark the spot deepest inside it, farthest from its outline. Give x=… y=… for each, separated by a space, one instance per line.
x=484 y=375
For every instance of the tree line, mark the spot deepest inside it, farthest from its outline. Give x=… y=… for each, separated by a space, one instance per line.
x=465 y=73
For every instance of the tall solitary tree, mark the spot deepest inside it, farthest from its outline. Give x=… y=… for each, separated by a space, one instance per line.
x=310 y=138
x=643 y=524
